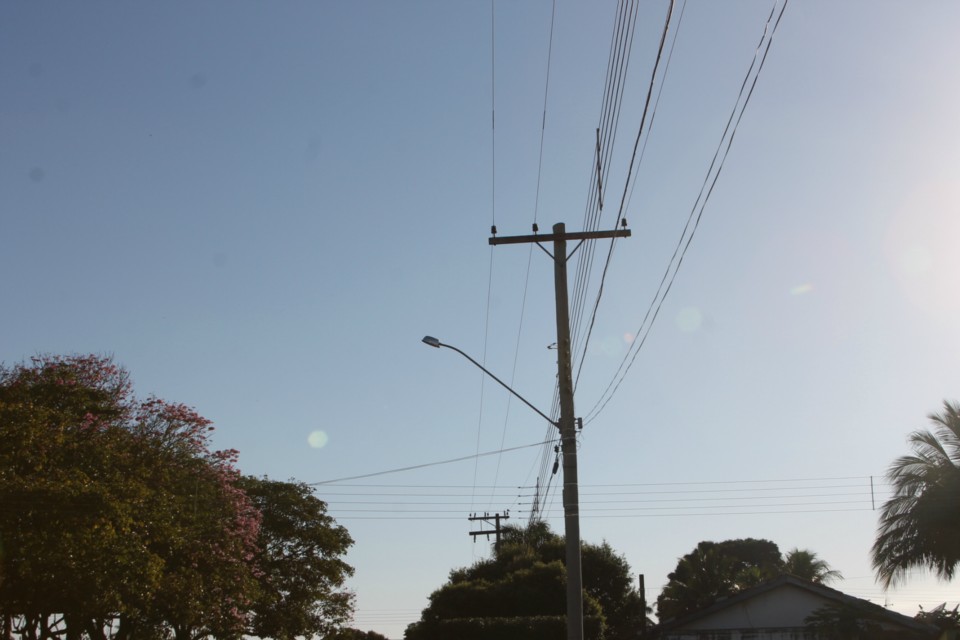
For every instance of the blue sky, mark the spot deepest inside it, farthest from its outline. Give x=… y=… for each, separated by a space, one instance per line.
x=259 y=209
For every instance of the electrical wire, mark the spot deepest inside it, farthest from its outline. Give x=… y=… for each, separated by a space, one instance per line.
x=536 y=206
x=493 y=226
x=483 y=377
x=617 y=66
x=622 y=499
x=693 y=219
x=543 y=122
x=627 y=182
x=425 y=465
x=656 y=104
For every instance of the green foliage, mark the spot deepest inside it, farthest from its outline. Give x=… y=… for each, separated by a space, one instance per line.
x=521 y=592
x=920 y=524
x=118 y=519
x=300 y=559
x=714 y=570
x=718 y=569
x=353 y=634
x=805 y=564
x=512 y=628
x=71 y=490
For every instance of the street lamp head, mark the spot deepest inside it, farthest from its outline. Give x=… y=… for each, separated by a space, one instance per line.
x=430 y=340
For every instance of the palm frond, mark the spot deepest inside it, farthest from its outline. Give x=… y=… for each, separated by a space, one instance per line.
x=920 y=524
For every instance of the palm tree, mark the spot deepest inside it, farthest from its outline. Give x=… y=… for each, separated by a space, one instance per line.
x=920 y=524
x=805 y=564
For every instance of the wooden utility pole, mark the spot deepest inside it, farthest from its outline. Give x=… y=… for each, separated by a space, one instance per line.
x=568 y=435
x=486 y=517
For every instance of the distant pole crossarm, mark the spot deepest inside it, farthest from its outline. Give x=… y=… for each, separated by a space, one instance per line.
x=434 y=342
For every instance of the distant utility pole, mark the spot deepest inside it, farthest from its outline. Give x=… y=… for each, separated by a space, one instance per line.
x=643 y=608
x=568 y=435
x=486 y=517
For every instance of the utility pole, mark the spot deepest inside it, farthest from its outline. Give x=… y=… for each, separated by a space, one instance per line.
x=496 y=526
x=568 y=435
x=643 y=607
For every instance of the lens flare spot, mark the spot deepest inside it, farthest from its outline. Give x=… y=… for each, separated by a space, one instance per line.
x=629 y=338
x=689 y=319
x=318 y=439
x=801 y=289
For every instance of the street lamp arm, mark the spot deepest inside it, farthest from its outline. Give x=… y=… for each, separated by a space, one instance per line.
x=433 y=342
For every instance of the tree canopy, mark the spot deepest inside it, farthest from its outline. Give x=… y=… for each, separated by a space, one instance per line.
x=520 y=593
x=718 y=569
x=299 y=557
x=920 y=525
x=120 y=521
x=354 y=634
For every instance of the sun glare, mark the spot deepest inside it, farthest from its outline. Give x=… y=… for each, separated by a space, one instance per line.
x=922 y=252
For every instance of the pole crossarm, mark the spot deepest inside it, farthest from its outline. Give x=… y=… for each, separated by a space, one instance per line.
x=551 y=237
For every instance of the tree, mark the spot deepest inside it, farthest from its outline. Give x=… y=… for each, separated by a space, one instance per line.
x=607 y=576
x=118 y=520
x=300 y=560
x=354 y=634
x=68 y=544
x=920 y=524
x=805 y=564
x=718 y=569
x=520 y=592
x=117 y=512
x=714 y=570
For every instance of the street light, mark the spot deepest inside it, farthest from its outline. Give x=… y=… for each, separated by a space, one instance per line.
x=434 y=342
x=568 y=440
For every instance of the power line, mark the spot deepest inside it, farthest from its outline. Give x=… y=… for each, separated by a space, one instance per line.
x=617 y=65
x=536 y=208
x=632 y=515
x=543 y=122
x=656 y=104
x=693 y=219
x=423 y=466
x=623 y=198
x=727 y=513
x=879 y=479
x=493 y=226
x=483 y=360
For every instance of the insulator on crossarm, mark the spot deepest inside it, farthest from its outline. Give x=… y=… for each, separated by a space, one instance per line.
x=493 y=230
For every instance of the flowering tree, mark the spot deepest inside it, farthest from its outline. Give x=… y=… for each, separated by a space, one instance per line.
x=117 y=518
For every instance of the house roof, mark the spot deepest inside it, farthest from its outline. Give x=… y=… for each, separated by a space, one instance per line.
x=876 y=611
